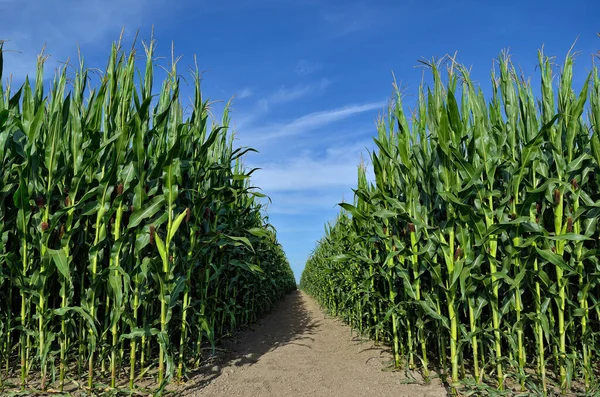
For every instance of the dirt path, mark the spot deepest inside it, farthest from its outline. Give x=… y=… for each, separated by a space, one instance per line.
x=297 y=351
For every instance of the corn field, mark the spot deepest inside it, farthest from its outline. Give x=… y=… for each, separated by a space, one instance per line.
x=131 y=238
x=473 y=252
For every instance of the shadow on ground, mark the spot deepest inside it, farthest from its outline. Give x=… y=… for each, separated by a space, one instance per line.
x=289 y=323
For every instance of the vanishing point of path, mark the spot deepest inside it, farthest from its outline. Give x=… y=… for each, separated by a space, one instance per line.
x=297 y=351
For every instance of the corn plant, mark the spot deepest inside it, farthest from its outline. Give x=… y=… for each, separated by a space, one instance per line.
x=474 y=248
x=131 y=237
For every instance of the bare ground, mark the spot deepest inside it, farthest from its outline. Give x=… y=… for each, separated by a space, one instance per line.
x=297 y=351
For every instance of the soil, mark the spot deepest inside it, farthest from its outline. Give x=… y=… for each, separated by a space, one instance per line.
x=294 y=351
x=298 y=351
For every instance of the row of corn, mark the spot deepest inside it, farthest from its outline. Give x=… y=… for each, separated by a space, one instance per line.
x=131 y=239
x=473 y=252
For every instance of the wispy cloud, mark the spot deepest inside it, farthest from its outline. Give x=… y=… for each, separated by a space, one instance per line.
x=305 y=67
x=306 y=173
x=62 y=25
x=313 y=202
x=351 y=18
x=360 y=17
x=245 y=93
x=310 y=170
x=281 y=96
x=285 y=95
x=310 y=122
x=312 y=180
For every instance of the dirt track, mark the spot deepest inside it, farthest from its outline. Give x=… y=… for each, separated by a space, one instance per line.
x=297 y=351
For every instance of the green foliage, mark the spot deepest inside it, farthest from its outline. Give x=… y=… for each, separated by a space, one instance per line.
x=126 y=229
x=474 y=250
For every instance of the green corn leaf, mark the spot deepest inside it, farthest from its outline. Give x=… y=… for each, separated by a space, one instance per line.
x=161 y=248
x=148 y=211
x=175 y=226
x=139 y=332
x=242 y=240
x=384 y=213
x=82 y=312
x=553 y=258
x=62 y=262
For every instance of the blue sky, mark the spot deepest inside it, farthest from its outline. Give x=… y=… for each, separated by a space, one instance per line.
x=310 y=77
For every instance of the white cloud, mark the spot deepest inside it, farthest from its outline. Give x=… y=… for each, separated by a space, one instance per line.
x=285 y=95
x=305 y=173
x=354 y=17
x=245 y=93
x=309 y=122
x=307 y=202
x=305 y=67
x=277 y=98
x=351 y=18
x=28 y=25
x=310 y=171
